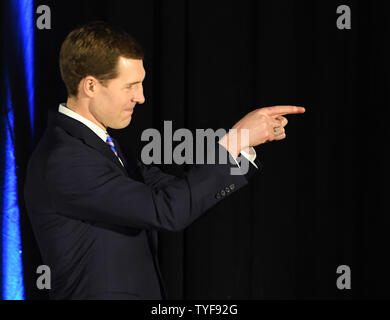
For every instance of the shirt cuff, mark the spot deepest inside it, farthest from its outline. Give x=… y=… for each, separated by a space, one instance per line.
x=250 y=154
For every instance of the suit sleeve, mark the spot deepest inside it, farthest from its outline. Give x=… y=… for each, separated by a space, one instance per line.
x=86 y=188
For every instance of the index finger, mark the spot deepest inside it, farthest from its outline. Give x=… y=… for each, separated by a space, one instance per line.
x=283 y=110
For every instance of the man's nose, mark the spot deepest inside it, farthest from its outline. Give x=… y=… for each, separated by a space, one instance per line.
x=139 y=98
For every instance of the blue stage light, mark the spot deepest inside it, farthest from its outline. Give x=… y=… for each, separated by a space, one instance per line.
x=12 y=268
x=24 y=10
x=22 y=16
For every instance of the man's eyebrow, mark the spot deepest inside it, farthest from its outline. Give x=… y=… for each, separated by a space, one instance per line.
x=135 y=82
x=130 y=84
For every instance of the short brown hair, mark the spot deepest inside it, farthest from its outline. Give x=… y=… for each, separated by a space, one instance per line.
x=94 y=50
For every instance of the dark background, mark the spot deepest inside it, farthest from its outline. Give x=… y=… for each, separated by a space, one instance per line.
x=321 y=200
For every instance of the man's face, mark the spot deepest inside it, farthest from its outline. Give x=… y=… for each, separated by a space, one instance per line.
x=113 y=104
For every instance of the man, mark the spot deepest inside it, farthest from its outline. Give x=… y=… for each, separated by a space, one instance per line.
x=94 y=213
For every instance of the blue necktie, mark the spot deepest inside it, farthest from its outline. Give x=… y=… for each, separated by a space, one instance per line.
x=112 y=146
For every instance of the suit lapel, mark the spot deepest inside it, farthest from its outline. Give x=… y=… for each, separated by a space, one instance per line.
x=120 y=153
x=130 y=163
x=79 y=130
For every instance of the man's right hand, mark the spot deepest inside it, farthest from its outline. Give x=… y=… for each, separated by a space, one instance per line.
x=264 y=125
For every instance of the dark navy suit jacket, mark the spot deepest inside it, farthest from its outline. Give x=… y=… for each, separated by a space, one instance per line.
x=96 y=221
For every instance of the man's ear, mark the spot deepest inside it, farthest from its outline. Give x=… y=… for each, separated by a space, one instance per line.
x=89 y=86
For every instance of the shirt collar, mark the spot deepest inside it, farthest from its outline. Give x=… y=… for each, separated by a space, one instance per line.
x=102 y=134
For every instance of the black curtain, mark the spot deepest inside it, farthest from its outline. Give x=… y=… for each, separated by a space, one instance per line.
x=320 y=202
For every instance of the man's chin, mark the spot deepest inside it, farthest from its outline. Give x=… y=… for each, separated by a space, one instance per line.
x=122 y=125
